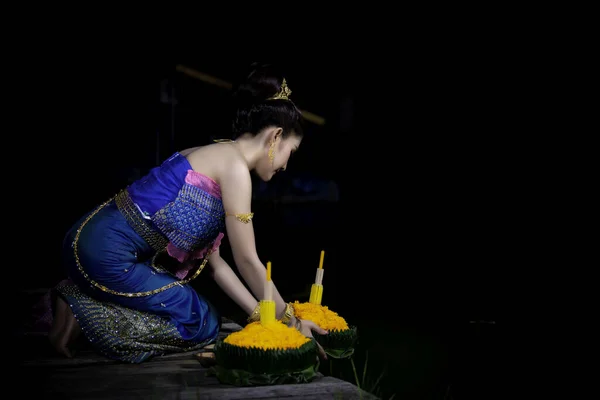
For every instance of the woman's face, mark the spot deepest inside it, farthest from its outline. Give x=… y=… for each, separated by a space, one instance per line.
x=282 y=150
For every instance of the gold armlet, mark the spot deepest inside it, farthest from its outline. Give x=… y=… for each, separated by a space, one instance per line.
x=287 y=314
x=245 y=217
x=255 y=316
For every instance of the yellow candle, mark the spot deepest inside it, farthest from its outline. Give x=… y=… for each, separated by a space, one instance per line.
x=316 y=294
x=316 y=291
x=267 y=305
x=268 y=289
x=267 y=311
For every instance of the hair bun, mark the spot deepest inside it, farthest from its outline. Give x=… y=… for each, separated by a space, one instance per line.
x=261 y=82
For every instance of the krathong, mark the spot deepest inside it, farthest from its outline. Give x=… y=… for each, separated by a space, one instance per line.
x=266 y=352
x=340 y=341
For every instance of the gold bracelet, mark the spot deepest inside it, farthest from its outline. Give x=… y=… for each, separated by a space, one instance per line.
x=286 y=318
x=288 y=314
x=255 y=316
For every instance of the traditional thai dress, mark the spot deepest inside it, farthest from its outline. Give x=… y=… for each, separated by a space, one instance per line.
x=128 y=306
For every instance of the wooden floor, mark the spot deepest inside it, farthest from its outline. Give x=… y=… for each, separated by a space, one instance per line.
x=181 y=376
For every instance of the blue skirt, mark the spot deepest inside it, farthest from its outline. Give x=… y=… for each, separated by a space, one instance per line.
x=127 y=308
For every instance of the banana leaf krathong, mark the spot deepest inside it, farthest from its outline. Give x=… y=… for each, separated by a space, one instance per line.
x=265 y=355
x=341 y=339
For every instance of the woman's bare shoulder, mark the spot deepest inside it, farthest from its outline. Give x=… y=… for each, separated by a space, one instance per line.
x=216 y=161
x=189 y=151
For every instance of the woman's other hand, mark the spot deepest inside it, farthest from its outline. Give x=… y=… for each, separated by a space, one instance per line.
x=307 y=327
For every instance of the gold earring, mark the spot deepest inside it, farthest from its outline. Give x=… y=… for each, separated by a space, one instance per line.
x=272 y=152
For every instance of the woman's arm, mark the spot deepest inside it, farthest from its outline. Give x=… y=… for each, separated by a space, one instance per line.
x=235 y=289
x=236 y=192
x=230 y=283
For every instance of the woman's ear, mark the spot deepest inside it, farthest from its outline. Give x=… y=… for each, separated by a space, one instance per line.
x=272 y=135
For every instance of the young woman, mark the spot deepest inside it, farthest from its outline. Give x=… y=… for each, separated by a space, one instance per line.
x=123 y=300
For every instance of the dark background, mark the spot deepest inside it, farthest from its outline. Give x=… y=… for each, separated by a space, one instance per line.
x=423 y=154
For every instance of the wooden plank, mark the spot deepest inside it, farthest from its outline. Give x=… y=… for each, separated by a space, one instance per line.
x=323 y=388
x=172 y=379
x=89 y=357
x=86 y=356
x=90 y=376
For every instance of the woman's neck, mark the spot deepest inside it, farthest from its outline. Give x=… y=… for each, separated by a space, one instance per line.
x=250 y=150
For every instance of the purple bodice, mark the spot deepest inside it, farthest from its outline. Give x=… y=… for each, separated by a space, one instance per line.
x=184 y=205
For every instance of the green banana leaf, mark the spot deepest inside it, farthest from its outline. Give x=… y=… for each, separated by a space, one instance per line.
x=239 y=377
x=261 y=362
x=338 y=344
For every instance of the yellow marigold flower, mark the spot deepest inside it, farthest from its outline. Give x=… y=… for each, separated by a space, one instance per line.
x=320 y=315
x=274 y=335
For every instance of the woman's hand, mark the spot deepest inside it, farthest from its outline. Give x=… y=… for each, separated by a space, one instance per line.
x=306 y=327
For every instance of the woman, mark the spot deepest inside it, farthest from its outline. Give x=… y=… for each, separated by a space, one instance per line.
x=126 y=303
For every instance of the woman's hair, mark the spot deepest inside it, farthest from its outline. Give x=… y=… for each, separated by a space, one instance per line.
x=253 y=106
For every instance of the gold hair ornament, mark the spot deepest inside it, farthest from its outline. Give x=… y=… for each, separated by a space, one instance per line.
x=284 y=93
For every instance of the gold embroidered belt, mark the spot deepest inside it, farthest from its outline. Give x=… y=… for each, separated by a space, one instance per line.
x=142 y=227
x=154 y=238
